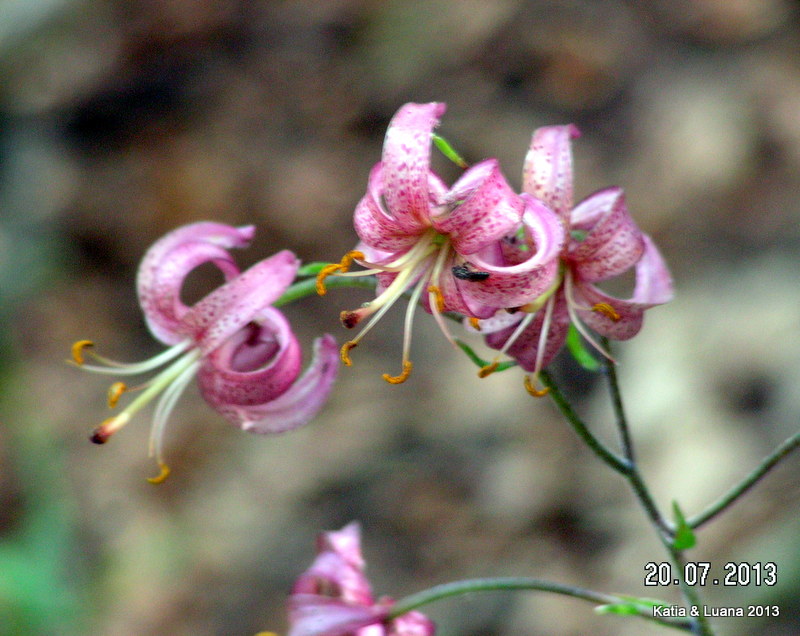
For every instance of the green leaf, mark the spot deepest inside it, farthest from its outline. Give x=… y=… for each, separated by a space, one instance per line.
x=684 y=537
x=448 y=151
x=576 y=347
x=480 y=362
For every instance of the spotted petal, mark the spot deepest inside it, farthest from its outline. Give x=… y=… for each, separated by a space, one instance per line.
x=167 y=263
x=317 y=615
x=613 y=242
x=227 y=309
x=484 y=209
x=406 y=163
x=547 y=171
x=298 y=404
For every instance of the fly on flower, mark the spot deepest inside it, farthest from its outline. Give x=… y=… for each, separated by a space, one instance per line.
x=242 y=350
x=443 y=247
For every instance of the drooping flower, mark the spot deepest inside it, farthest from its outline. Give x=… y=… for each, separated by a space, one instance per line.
x=443 y=245
x=241 y=349
x=601 y=242
x=334 y=598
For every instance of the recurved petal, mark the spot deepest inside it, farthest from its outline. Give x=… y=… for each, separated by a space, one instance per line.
x=406 y=162
x=533 y=271
x=613 y=242
x=221 y=314
x=299 y=403
x=317 y=615
x=547 y=171
x=375 y=226
x=345 y=542
x=482 y=209
x=170 y=259
x=255 y=365
x=653 y=287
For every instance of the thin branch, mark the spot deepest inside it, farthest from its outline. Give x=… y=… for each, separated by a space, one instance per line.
x=767 y=464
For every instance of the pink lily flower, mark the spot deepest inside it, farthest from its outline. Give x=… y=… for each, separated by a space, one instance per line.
x=242 y=350
x=443 y=245
x=334 y=598
x=602 y=241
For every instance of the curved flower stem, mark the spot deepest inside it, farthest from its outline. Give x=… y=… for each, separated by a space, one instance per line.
x=308 y=287
x=468 y=586
x=614 y=461
x=747 y=483
x=619 y=410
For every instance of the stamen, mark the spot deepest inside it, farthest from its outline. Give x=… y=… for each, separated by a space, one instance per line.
x=77 y=350
x=475 y=322
x=607 y=310
x=110 y=426
x=531 y=388
x=341 y=266
x=438 y=297
x=162 y=476
x=114 y=393
x=344 y=352
x=489 y=369
x=399 y=379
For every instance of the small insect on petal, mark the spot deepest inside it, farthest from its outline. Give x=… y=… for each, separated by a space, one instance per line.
x=463 y=272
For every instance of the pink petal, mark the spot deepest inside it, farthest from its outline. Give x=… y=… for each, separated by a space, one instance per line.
x=526 y=347
x=653 y=287
x=227 y=309
x=515 y=283
x=255 y=365
x=485 y=209
x=170 y=259
x=412 y=624
x=300 y=403
x=406 y=163
x=346 y=542
x=547 y=171
x=316 y=615
x=375 y=226
x=613 y=242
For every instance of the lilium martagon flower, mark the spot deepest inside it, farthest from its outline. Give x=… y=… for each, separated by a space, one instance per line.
x=442 y=245
x=242 y=351
x=601 y=242
x=333 y=597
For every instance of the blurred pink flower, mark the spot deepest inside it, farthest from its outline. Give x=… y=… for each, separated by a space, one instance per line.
x=333 y=597
x=242 y=350
x=443 y=245
x=601 y=242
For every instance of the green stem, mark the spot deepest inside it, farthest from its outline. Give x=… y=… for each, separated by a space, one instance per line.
x=468 y=586
x=599 y=449
x=619 y=410
x=747 y=483
x=308 y=287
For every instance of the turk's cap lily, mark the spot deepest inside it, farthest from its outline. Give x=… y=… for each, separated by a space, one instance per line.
x=243 y=351
x=601 y=242
x=444 y=246
x=333 y=596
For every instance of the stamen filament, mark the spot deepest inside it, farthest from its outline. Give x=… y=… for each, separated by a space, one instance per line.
x=112 y=367
x=571 y=306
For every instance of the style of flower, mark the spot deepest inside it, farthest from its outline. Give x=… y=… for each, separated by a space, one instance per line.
x=334 y=598
x=442 y=245
x=601 y=242
x=242 y=350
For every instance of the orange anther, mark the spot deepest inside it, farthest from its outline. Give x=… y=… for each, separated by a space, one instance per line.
x=399 y=379
x=114 y=392
x=530 y=388
x=344 y=352
x=437 y=293
x=159 y=479
x=77 y=350
x=607 y=310
x=475 y=322
x=341 y=266
x=488 y=369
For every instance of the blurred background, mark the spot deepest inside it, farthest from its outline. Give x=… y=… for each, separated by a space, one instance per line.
x=122 y=119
